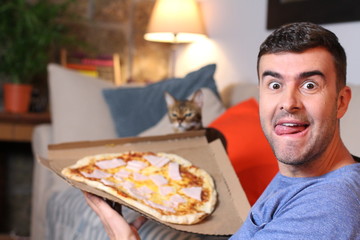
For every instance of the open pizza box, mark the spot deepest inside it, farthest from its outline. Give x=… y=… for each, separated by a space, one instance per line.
x=232 y=206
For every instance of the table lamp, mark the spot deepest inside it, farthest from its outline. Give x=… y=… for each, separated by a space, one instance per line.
x=175 y=21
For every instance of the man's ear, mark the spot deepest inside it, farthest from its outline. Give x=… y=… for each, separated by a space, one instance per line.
x=343 y=101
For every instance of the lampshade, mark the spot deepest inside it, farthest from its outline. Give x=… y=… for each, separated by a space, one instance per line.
x=175 y=21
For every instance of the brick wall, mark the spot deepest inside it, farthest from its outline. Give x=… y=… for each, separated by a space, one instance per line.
x=109 y=26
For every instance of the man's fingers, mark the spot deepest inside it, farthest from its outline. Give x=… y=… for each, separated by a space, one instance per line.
x=137 y=236
x=114 y=224
x=92 y=200
x=114 y=205
x=139 y=222
x=95 y=202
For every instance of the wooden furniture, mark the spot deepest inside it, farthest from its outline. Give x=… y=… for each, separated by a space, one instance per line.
x=14 y=129
x=19 y=127
x=107 y=68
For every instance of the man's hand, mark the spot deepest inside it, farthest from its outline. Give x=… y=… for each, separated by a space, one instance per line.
x=115 y=225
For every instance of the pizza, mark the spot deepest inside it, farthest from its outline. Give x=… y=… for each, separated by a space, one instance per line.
x=163 y=185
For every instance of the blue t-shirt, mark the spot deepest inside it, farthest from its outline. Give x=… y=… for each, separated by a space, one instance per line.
x=324 y=207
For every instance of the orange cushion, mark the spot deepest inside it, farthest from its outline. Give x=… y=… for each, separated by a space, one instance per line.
x=249 y=151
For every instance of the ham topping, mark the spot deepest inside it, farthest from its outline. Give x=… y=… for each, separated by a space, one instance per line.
x=136 y=165
x=159 y=206
x=158 y=179
x=193 y=192
x=140 y=177
x=139 y=193
x=122 y=174
x=128 y=185
x=96 y=174
x=175 y=200
x=165 y=190
x=107 y=182
x=144 y=190
x=113 y=163
x=156 y=161
x=174 y=171
x=136 y=193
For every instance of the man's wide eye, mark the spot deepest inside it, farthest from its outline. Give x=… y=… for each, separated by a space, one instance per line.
x=309 y=85
x=274 y=85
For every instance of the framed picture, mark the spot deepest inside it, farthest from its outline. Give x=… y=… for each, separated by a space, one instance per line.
x=317 y=11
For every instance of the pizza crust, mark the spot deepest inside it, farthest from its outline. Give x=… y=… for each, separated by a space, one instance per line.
x=202 y=210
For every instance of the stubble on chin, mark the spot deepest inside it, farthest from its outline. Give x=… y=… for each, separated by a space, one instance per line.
x=294 y=155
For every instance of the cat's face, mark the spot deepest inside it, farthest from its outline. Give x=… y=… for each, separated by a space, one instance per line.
x=184 y=115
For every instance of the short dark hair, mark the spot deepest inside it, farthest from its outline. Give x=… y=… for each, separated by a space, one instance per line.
x=299 y=37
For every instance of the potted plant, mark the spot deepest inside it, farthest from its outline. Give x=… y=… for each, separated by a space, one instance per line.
x=28 y=31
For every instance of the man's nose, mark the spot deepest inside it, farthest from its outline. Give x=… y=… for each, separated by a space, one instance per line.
x=291 y=100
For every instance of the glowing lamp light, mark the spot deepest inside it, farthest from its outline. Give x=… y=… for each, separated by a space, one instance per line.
x=175 y=21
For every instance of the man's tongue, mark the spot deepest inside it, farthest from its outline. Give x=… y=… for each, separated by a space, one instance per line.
x=282 y=129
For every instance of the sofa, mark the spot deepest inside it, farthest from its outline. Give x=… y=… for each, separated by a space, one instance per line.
x=88 y=108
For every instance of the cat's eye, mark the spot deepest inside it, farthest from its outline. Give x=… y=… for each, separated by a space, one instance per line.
x=174 y=115
x=188 y=114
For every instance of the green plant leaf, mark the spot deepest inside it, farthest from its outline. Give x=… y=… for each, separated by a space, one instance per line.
x=27 y=33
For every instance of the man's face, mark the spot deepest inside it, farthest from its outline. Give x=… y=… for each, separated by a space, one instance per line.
x=298 y=104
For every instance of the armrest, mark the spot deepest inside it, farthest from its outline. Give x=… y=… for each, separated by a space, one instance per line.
x=41 y=138
x=43 y=178
x=45 y=182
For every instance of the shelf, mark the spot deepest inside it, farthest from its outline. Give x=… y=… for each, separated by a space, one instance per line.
x=19 y=127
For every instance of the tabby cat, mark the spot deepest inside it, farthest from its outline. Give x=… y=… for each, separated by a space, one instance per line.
x=185 y=115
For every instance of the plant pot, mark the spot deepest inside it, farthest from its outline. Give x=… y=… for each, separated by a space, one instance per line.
x=17 y=97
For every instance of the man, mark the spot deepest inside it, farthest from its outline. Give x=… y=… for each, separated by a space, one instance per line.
x=303 y=95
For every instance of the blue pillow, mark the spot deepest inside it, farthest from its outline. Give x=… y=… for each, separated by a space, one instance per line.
x=135 y=109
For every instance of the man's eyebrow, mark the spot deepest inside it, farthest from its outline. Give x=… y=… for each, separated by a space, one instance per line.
x=301 y=75
x=271 y=74
x=310 y=74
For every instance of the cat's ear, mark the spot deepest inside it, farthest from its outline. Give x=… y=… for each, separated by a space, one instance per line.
x=198 y=98
x=169 y=99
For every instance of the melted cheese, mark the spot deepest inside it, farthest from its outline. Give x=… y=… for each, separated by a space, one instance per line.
x=165 y=185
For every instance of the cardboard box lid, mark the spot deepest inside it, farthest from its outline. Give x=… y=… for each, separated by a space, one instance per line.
x=232 y=202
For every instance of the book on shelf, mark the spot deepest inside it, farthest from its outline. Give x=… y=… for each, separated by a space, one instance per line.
x=83 y=67
x=105 y=67
x=98 y=62
x=89 y=73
